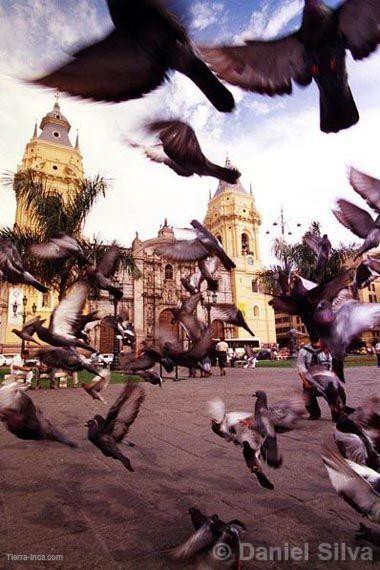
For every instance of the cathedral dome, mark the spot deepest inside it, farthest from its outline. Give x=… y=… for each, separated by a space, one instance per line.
x=226 y=187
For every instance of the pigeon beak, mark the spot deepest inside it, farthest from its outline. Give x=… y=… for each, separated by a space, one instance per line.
x=254 y=395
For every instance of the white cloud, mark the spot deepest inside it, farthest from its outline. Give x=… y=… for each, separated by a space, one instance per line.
x=205 y=14
x=268 y=23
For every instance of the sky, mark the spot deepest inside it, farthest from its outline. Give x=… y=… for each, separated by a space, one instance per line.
x=275 y=142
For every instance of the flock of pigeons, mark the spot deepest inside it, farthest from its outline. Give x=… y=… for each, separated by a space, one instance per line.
x=147 y=43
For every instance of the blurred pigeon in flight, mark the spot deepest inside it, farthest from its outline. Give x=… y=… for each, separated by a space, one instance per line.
x=359 y=486
x=60 y=247
x=232 y=316
x=136 y=58
x=367 y=187
x=360 y=222
x=321 y=246
x=201 y=247
x=368 y=271
x=205 y=272
x=181 y=151
x=29 y=329
x=22 y=417
x=107 y=433
x=316 y=51
x=209 y=533
x=61 y=331
x=65 y=359
x=99 y=275
x=12 y=268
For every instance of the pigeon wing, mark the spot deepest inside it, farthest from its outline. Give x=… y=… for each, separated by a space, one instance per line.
x=266 y=67
x=47 y=250
x=110 y=261
x=115 y=69
x=199 y=540
x=183 y=250
x=313 y=241
x=367 y=186
x=359 y=22
x=124 y=411
x=203 y=346
x=353 y=488
x=65 y=315
x=354 y=218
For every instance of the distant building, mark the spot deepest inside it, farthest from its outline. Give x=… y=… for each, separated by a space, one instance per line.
x=231 y=215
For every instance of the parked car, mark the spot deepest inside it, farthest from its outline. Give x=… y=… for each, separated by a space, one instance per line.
x=102 y=359
x=8 y=359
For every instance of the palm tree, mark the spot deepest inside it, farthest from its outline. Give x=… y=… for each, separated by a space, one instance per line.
x=300 y=259
x=50 y=213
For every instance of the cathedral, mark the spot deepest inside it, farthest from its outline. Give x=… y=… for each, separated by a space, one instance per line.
x=148 y=296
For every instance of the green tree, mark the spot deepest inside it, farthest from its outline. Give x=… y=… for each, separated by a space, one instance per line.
x=299 y=258
x=49 y=214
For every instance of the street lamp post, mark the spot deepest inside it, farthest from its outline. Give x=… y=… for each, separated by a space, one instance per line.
x=24 y=314
x=115 y=365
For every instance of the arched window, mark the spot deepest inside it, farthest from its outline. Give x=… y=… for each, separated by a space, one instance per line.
x=168 y=272
x=244 y=244
x=255 y=286
x=256 y=311
x=46 y=299
x=219 y=238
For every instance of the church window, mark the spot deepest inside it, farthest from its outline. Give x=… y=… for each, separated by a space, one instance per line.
x=244 y=244
x=168 y=272
x=56 y=134
x=55 y=167
x=46 y=300
x=255 y=286
x=256 y=311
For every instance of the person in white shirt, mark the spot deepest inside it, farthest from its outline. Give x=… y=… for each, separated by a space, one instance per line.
x=18 y=367
x=221 y=349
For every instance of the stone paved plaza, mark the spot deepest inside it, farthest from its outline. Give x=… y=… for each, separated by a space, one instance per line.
x=88 y=509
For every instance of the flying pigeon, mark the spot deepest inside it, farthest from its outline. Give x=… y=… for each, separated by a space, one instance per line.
x=181 y=151
x=360 y=222
x=61 y=331
x=24 y=419
x=316 y=51
x=201 y=247
x=367 y=187
x=107 y=433
x=99 y=275
x=65 y=359
x=359 y=486
x=321 y=246
x=60 y=247
x=12 y=269
x=232 y=316
x=147 y=42
x=29 y=329
x=209 y=533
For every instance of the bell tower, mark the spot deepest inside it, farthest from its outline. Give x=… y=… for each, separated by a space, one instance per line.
x=233 y=218
x=51 y=153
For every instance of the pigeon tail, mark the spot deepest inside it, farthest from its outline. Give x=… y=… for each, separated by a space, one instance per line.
x=337 y=108
x=207 y=82
x=263 y=480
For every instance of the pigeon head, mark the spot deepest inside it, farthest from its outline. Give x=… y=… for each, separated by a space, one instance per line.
x=324 y=315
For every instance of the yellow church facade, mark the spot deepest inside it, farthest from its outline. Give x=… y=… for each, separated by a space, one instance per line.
x=49 y=152
x=231 y=215
x=233 y=218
